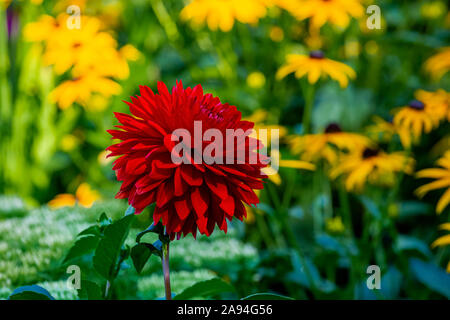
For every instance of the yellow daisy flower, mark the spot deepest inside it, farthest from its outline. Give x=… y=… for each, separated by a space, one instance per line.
x=221 y=14
x=80 y=90
x=335 y=12
x=84 y=196
x=438 y=64
x=327 y=145
x=314 y=66
x=421 y=116
x=383 y=131
x=372 y=166
x=443 y=240
x=442 y=180
x=438 y=101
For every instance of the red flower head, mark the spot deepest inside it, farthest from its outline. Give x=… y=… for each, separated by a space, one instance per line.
x=189 y=195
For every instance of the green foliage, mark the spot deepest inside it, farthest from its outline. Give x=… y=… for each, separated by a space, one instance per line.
x=266 y=296
x=205 y=289
x=432 y=276
x=109 y=248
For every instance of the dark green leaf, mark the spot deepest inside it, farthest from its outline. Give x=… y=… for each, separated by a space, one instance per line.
x=92 y=230
x=109 y=247
x=266 y=296
x=90 y=291
x=82 y=246
x=33 y=292
x=431 y=276
x=140 y=254
x=205 y=289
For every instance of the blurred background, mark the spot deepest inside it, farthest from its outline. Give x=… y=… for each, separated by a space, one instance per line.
x=59 y=86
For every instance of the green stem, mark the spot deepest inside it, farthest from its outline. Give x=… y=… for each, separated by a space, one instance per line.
x=264 y=230
x=308 y=93
x=166 y=271
x=345 y=208
x=165 y=20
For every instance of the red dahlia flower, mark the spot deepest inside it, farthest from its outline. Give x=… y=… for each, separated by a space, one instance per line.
x=188 y=196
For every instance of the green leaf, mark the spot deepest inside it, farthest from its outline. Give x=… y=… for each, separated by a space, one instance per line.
x=91 y=231
x=205 y=289
x=33 y=292
x=266 y=296
x=411 y=243
x=140 y=255
x=82 y=246
x=90 y=291
x=305 y=268
x=412 y=209
x=109 y=247
x=371 y=207
x=431 y=276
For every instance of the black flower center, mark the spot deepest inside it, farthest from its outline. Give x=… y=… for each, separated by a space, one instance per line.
x=316 y=54
x=416 y=105
x=369 y=153
x=333 y=128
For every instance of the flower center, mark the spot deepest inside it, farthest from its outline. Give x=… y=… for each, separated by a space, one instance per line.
x=369 y=153
x=316 y=54
x=416 y=105
x=333 y=128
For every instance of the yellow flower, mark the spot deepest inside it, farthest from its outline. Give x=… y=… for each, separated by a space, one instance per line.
x=41 y=30
x=334 y=225
x=442 y=180
x=335 y=12
x=259 y=117
x=443 y=240
x=327 y=145
x=371 y=166
x=314 y=66
x=4 y=4
x=438 y=102
x=85 y=48
x=383 y=131
x=256 y=80
x=80 y=90
x=439 y=64
x=69 y=142
x=221 y=14
x=421 y=116
x=276 y=34
x=84 y=196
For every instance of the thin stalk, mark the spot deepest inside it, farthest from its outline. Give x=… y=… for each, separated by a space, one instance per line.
x=166 y=271
x=345 y=208
x=165 y=20
x=308 y=93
